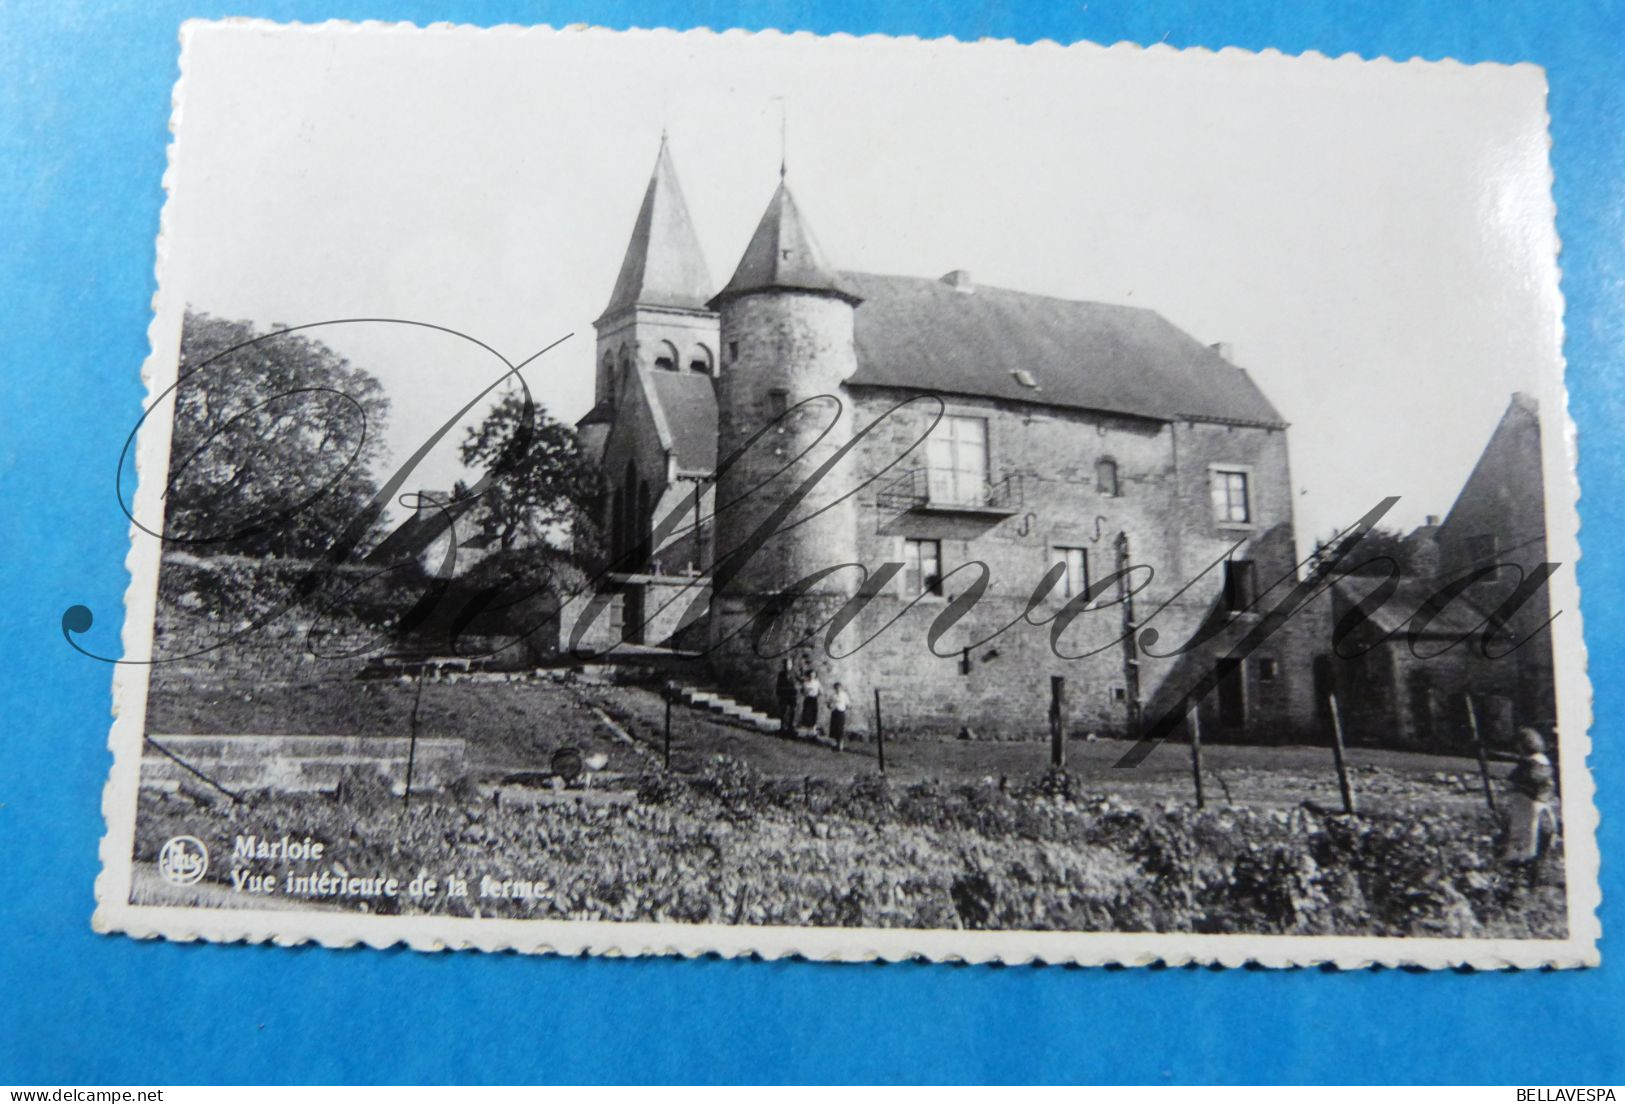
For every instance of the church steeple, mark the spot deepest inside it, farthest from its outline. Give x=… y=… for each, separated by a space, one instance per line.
x=783 y=256
x=663 y=266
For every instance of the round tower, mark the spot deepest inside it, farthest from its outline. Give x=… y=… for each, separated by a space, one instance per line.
x=782 y=414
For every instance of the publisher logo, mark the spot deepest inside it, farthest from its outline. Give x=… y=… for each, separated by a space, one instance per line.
x=183 y=861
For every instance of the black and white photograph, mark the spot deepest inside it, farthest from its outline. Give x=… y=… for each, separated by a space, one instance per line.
x=654 y=492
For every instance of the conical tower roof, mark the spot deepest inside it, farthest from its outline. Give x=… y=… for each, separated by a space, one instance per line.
x=783 y=256
x=664 y=266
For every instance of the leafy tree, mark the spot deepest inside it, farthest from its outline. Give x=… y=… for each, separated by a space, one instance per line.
x=540 y=488
x=1380 y=552
x=274 y=442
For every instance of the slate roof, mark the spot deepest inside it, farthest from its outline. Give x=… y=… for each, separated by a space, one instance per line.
x=663 y=266
x=783 y=255
x=924 y=334
x=601 y=414
x=422 y=527
x=1456 y=620
x=688 y=402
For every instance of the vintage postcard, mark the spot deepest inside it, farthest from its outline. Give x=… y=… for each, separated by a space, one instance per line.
x=657 y=492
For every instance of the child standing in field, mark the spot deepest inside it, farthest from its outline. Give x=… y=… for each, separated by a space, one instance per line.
x=1531 y=818
x=839 y=702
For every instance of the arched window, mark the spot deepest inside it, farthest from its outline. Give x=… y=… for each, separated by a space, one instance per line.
x=666 y=357
x=608 y=378
x=625 y=358
x=1106 y=477
x=700 y=360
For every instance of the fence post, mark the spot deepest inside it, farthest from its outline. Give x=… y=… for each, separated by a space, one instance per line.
x=1196 y=753
x=880 y=733
x=412 y=744
x=671 y=692
x=1337 y=756
x=1057 y=722
x=1483 y=753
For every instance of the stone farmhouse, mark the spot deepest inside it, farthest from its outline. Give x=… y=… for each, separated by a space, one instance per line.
x=957 y=447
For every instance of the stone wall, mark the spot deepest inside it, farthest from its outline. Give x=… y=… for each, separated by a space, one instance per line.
x=230 y=624
x=673 y=608
x=991 y=671
x=241 y=764
x=1503 y=506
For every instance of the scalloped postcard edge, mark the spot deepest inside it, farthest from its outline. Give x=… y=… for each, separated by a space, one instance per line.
x=427 y=933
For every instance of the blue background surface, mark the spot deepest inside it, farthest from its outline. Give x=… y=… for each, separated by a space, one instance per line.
x=84 y=105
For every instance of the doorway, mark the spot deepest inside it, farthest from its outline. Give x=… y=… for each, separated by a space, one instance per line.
x=632 y=619
x=1232 y=698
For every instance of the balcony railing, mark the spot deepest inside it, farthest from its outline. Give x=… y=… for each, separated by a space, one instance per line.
x=921 y=489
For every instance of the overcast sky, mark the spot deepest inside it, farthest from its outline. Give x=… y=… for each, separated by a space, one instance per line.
x=1375 y=240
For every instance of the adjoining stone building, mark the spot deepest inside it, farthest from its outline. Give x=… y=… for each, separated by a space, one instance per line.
x=1470 y=619
x=965 y=445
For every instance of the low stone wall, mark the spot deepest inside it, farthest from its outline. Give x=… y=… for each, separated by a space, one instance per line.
x=301 y=764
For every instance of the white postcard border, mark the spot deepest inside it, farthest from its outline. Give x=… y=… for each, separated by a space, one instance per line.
x=114 y=914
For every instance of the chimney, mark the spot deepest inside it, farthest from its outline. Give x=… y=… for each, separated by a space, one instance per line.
x=960 y=280
x=1431 y=520
x=1225 y=350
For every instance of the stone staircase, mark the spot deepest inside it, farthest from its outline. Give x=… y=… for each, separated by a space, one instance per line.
x=713 y=701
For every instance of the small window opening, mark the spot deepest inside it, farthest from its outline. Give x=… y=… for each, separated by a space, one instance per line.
x=1106 y=477
x=1267 y=670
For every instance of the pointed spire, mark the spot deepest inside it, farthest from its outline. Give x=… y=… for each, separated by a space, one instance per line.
x=664 y=266
x=782 y=255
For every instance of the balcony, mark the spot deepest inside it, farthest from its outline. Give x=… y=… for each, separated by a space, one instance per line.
x=920 y=490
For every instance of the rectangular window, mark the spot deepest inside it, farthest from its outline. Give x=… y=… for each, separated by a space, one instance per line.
x=956 y=461
x=1106 y=477
x=1075 y=580
x=1239 y=578
x=922 y=567
x=1232 y=498
x=778 y=401
x=1266 y=670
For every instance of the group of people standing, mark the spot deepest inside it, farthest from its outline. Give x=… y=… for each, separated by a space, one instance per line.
x=800 y=697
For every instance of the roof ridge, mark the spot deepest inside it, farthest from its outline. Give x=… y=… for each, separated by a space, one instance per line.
x=916 y=332
x=1000 y=289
